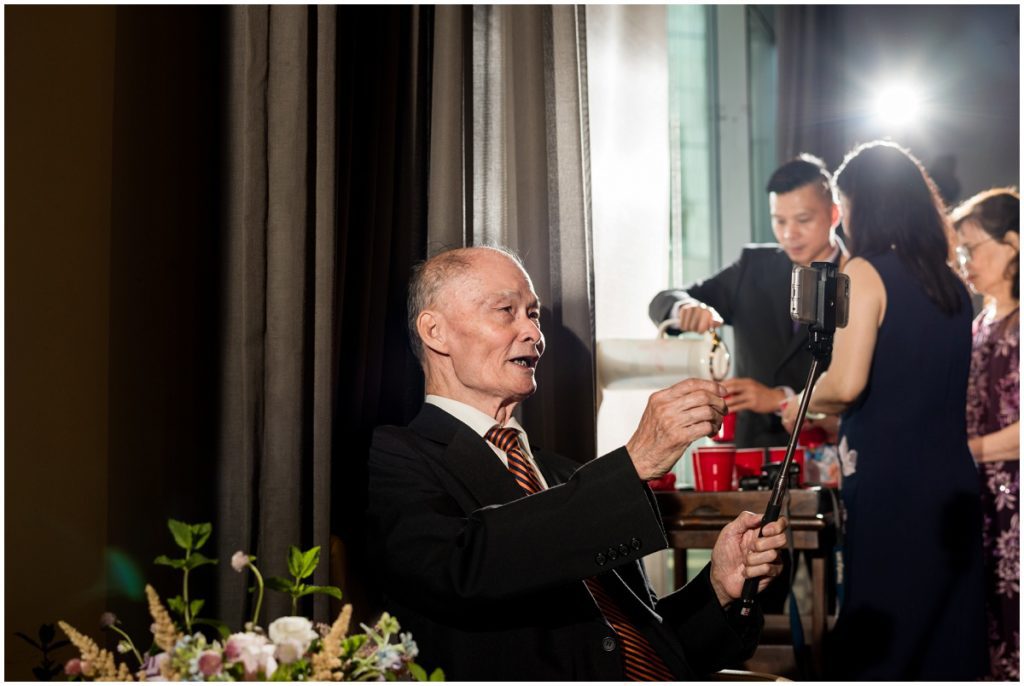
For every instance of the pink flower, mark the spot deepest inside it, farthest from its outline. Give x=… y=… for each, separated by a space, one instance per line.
x=153 y=664
x=239 y=561
x=73 y=667
x=255 y=653
x=209 y=663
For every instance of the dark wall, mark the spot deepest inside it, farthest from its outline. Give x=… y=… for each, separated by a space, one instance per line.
x=59 y=83
x=164 y=303
x=112 y=316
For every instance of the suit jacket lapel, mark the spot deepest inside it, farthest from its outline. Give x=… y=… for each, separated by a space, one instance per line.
x=797 y=342
x=468 y=457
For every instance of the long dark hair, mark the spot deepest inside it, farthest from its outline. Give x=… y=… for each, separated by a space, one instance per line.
x=997 y=212
x=895 y=205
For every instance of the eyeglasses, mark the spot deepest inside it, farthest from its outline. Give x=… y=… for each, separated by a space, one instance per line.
x=963 y=252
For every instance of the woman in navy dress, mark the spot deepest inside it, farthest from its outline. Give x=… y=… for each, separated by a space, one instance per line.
x=913 y=606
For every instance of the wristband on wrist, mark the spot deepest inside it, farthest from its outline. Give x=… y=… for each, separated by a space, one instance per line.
x=789 y=394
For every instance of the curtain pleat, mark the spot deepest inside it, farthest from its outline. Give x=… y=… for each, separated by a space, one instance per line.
x=276 y=425
x=523 y=181
x=810 y=106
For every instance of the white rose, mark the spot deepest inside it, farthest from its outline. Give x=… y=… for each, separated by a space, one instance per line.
x=292 y=636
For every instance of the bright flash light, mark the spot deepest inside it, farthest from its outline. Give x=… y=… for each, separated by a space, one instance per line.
x=897 y=105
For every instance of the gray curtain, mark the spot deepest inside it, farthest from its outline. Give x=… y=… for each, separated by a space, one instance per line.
x=275 y=442
x=510 y=166
x=811 y=110
x=326 y=147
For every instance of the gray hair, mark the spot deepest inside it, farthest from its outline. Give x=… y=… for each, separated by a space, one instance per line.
x=429 y=277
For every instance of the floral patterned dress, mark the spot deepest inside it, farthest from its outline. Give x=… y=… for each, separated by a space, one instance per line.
x=993 y=402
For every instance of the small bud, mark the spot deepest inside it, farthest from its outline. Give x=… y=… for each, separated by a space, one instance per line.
x=210 y=663
x=123 y=647
x=108 y=619
x=239 y=561
x=73 y=667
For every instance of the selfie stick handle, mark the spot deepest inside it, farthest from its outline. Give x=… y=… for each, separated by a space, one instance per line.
x=771 y=512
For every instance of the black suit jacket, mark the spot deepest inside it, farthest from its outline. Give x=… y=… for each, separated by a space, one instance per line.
x=752 y=295
x=489 y=581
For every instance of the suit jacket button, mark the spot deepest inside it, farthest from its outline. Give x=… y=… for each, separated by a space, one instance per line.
x=607 y=644
x=635 y=543
x=612 y=554
x=600 y=558
x=624 y=549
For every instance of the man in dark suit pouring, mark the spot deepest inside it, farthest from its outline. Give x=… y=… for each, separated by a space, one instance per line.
x=752 y=295
x=510 y=563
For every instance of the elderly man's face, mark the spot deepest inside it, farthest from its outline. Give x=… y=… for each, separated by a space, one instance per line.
x=494 y=337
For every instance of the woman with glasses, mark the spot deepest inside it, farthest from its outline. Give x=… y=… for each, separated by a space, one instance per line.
x=913 y=602
x=988 y=244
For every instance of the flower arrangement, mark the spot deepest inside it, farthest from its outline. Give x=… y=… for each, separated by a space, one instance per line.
x=291 y=649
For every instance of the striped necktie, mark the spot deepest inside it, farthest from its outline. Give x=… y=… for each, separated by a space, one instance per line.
x=640 y=662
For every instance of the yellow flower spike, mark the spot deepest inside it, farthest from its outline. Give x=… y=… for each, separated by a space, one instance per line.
x=328 y=660
x=165 y=634
x=98 y=663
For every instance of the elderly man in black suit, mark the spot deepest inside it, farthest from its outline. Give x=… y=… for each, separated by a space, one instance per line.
x=510 y=563
x=752 y=295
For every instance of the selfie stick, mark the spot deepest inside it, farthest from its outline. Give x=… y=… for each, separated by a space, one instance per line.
x=820 y=346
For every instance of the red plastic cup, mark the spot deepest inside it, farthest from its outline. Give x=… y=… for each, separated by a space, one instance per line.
x=748 y=462
x=726 y=432
x=713 y=468
x=779 y=454
x=812 y=437
x=664 y=483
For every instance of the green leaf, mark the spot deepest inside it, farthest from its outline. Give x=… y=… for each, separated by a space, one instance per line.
x=182 y=533
x=351 y=644
x=200 y=532
x=46 y=633
x=294 y=561
x=223 y=629
x=166 y=561
x=28 y=640
x=418 y=673
x=195 y=606
x=276 y=583
x=177 y=605
x=198 y=560
x=310 y=559
x=437 y=675
x=332 y=591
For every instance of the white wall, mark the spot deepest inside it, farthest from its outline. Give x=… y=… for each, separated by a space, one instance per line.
x=627 y=67
x=628 y=87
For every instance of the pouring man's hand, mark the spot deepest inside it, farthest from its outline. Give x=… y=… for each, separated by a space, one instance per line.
x=748 y=394
x=698 y=317
x=739 y=554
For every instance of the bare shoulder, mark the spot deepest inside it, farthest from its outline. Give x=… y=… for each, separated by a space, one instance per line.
x=867 y=291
